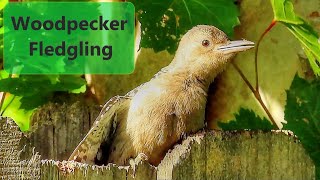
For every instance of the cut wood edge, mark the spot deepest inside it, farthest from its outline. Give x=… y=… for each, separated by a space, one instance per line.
x=238 y=155
x=207 y=154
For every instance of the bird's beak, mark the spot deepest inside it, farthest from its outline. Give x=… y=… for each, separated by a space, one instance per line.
x=236 y=46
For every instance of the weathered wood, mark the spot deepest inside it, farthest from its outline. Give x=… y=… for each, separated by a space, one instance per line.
x=75 y=171
x=238 y=155
x=206 y=155
x=58 y=127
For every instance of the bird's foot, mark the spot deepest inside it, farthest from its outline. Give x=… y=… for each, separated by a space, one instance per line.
x=66 y=167
x=134 y=162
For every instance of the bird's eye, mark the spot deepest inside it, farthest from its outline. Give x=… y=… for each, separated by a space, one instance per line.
x=205 y=43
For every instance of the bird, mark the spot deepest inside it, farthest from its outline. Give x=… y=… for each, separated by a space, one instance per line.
x=150 y=119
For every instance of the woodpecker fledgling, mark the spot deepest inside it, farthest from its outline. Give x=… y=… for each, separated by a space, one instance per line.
x=154 y=116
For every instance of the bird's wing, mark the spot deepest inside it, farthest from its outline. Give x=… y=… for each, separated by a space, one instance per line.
x=102 y=130
x=104 y=126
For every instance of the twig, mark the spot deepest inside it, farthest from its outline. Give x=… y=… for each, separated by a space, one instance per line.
x=256 y=52
x=256 y=91
x=243 y=77
x=256 y=94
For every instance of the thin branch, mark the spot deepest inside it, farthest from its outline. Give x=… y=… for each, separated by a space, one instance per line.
x=256 y=94
x=256 y=91
x=243 y=77
x=256 y=52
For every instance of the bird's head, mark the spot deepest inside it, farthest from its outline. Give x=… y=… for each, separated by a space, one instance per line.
x=206 y=49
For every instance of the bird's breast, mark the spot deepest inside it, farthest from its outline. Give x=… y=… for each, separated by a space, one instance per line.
x=160 y=114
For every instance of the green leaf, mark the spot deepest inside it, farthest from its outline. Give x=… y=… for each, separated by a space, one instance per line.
x=247 y=119
x=312 y=60
x=163 y=22
x=32 y=85
x=3 y=74
x=2 y=30
x=302 y=112
x=71 y=83
x=20 y=116
x=283 y=11
x=24 y=86
x=28 y=92
x=3 y=3
x=309 y=39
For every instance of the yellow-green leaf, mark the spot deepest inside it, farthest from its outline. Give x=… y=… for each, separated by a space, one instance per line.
x=309 y=41
x=12 y=109
x=283 y=11
x=3 y=3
